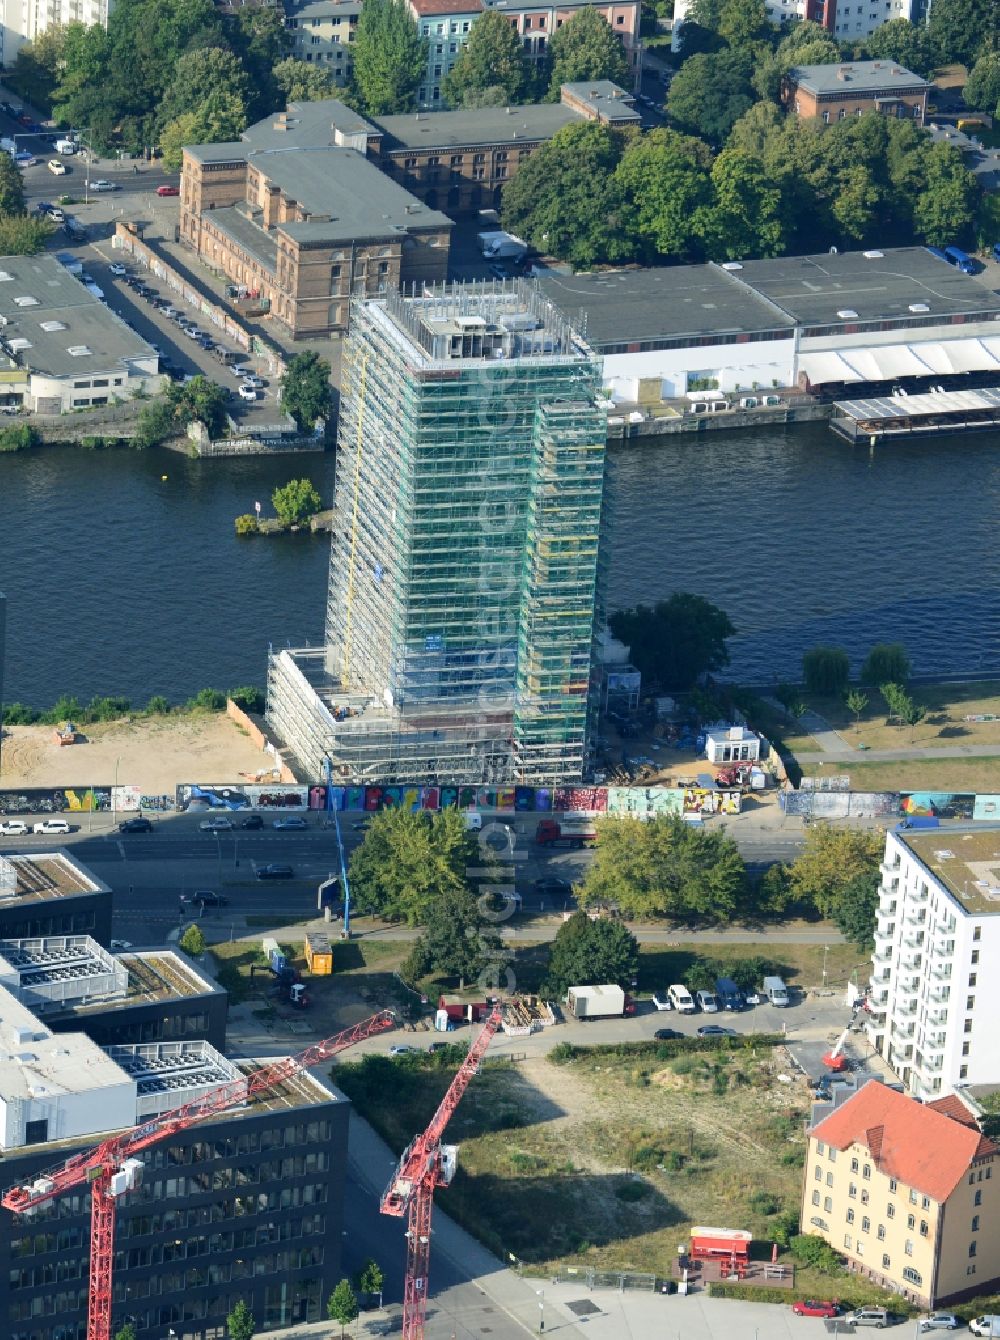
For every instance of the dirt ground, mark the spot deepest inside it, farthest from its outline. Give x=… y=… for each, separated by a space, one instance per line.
x=155 y=753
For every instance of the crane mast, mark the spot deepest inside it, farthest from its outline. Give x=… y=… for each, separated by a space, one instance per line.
x=111 y=1168
x=425 y=1165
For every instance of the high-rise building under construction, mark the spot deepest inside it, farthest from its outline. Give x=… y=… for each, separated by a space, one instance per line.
x=466 y=565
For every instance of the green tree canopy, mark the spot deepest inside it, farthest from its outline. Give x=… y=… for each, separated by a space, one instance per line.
x=342 y=1305
x=825 y=671
x=305 y=389
x=665 y=868
x=982 y=88
x=299 y=81
x=663 y=180
x=831 y=860
x=193 y=941
x=240 y=1324
x=855 y=909
x=710 y=92
x=296 y=501
x=744 y=217
x=911 y=45
x=586 y=47
x=945 y=209
x=221 y=116
x=409 y=860
x=371 y=1278
x=36 y=67
x=198 y=401
x=127 y=1332
x=700 y=29
x=11 y=186
x=456 y=942
x=675 y=641
x=886 y=661
x=565 y=199
x=202 y=76
x=491 y=69
x=744 y=22
x=261 y=41
x=591 y=953
x=962 y=29
x=389 y=58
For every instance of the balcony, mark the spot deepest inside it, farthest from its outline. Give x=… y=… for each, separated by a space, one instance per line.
x=911 y=959
x=889 y=868
x=939 y=995
x=914 y=918
x=905 y=1012
x=882 y=957
x=937 y=1016
x=903 y=1034
x=940 y=972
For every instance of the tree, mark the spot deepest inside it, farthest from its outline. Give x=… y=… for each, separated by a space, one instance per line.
x=665 y=868
x=305 y=390
x=825 y=671
x=982 y=88
x=342 y=1305
x=199 y=401
x=221 y=116
x=36 y=67
x=855 y=910
x=700 y=29
x=886 y=661
x=389 y=58
x=709 y=94
x=663 y=179
x=299 y=81
x=240 y=1323
x=371 y=1279
x=591 y=953
x=565 y=199
x=586 y=47
x=831 y=860
x=296 y=501
x=906 y=43
x=744 y=22
x=261 y=42
x=11 y=186
x=455 y=943
x=409 y=860
x=491 y=68
x=23 y=236
x=676 y=641
x=946 y=207
x=193 y=941
x=962 y=29
x=744 y=217
x=127 y=1332
x=201 y=76
x=856 y=702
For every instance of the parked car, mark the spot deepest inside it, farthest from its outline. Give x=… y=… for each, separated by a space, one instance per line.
x=103 y=185
x=119 y=945
x=135 y=826
x=217 y=825
x=168 y=190
x=938 y=1321
x=118 y=269
x=252 y=821
x=707 y=1001
x=294 y=821
x=716 y=1031
x=667 y=1034
x=251 y=379
x=247 y=393
x=661 y=1001
x=813 y=1307
x=13 y=828
x=57 y=167
x=25 y=159
x=401 y=1049
x=868 y=1316
x=274 y=871
x=51 y=826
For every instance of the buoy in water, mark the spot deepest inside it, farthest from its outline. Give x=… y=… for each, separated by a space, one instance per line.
x=163 y=479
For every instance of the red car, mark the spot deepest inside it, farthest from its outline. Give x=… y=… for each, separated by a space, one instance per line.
x=810 y=1307
x=167 y=190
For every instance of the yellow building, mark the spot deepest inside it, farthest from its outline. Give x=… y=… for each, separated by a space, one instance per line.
x=906 y=1192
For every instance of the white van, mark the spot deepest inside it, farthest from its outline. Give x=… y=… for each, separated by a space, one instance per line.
x=681 y=999
x=473 y=821
x=776 y=991
x=707 y=1001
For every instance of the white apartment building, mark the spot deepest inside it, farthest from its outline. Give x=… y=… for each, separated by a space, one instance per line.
x=22 y=20
x=935 y=991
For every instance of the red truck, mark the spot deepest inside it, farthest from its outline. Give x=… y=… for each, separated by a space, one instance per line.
x=565 y=832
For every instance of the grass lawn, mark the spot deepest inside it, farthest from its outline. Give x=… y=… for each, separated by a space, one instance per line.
x=917 y=774
x=802 y=965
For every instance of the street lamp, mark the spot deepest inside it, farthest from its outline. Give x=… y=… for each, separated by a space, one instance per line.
x=826 y=950
x=541 y=1310
x=114 y=793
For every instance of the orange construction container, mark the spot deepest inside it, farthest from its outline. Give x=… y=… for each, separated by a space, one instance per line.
x=319 y=955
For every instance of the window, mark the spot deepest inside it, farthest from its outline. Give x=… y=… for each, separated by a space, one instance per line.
x=970 y=1002
x=972 y=979
x=970 y=1270
x=975 y=1223
x=977 y=932
x=829 y=1179
x=978 y=1199
x=852 y=1191
x=925 y=1202
x=855 y=1165
x=847 y=1241
x=968 y=1026
x=864 y=1196
x=963 y=1072
x=866 y=1224
x=923 y=1228
x=908 y=1249
x=912 y=1276
x=886 y=1263
x=972 y=1249
x=890 y=1211
x=831 y=1154
x=881 y=1232
x=965 y=1048
x=892 y=1184
x=913 y=1196
x=974 y=957
x=910 y=1221
x=866 y=1171
x=859 y=1247
x=850 y=1216
x=828 y=1205
x=815 y=1197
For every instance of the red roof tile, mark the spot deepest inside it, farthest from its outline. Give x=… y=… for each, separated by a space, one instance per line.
x=952 y=1106
x=920 y=1144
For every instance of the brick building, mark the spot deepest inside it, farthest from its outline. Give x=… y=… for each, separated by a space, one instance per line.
x=295 y=214
x=836 y=92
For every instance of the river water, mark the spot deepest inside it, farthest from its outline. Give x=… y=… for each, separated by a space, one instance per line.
x=119 y=581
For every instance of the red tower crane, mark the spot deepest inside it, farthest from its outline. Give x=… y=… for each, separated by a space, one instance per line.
x=427 y=1164
x=111 y=1168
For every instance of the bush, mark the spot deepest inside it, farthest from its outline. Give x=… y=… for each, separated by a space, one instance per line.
x=247 y=524
x=825 y=671
x=18 y=437
x=207 y=700
x=764 y=1202
x=886 y=662
x=249 y=697
x=750 y=1293
x=563 y=1052
x=157 y=706
x=107 y=709
x=630 y=1192
x=811 y=1250
x=192 y=941
x=64 y=709
x=20 y=714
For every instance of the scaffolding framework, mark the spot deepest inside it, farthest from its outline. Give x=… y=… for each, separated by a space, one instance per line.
x=465 y=568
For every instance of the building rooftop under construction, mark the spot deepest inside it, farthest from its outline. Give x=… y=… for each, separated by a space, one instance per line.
x=466 y=566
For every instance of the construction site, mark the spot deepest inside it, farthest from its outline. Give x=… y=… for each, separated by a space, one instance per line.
x=466 y=570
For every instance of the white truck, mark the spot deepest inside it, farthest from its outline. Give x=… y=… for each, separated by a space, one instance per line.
x=599 y=1002
x=66 y=147
x=502 y=246
x=775 y=991
x=985 y=1325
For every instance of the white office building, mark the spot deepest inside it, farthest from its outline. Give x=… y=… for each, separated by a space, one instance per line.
x=935 y=990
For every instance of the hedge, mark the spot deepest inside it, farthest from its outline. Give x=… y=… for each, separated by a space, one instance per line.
x=749 y=1293
x=666 y=1049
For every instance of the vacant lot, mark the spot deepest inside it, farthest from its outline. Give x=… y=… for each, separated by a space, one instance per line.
x=917 y=774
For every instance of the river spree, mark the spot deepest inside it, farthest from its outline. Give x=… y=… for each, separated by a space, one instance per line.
x=121 y=582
